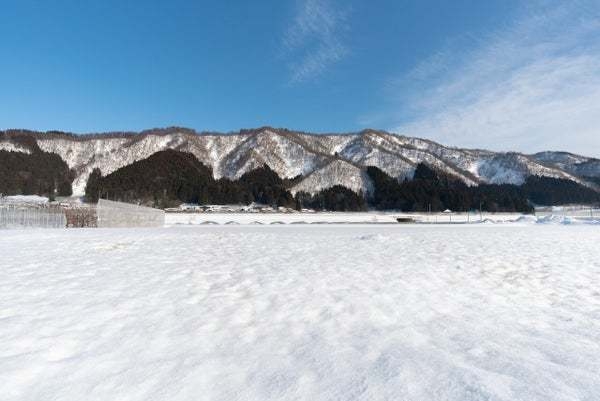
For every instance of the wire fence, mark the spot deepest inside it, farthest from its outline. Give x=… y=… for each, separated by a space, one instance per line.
x=76 y=215
x=31 y=216
x=461 y=217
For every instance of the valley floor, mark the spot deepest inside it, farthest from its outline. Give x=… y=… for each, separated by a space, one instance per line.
x=354 y=312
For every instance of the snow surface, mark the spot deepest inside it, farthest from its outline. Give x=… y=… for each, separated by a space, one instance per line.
x=466 y=312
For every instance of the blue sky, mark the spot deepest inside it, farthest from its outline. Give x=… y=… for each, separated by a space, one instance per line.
x=503 y=75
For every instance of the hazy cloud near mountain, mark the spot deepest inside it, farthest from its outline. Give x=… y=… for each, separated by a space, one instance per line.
x=532 y=86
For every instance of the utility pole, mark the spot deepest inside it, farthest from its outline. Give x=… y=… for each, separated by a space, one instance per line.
x=429 y=208
x=480 y=211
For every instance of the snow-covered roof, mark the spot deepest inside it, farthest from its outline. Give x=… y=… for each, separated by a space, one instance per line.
x=24 y=199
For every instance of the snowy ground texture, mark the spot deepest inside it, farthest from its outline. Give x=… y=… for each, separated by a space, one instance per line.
x=480 y=312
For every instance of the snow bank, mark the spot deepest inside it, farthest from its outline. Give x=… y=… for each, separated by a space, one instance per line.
x=466 y=312
x=174 y=219
x=557 y=220
x=566 y=220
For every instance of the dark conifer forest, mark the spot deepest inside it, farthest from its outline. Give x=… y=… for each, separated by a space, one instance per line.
x=36 y=173
x=554 y=191
x=337 y=198
x=430 y=190
x=168 y=178
x=592 y=179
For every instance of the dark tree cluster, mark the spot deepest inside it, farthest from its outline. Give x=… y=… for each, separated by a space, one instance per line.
x=432 y=190
x=556 y=191
x=595 y=180
x=266 y=187
x=435 y=191
x=92 y=188
x=162 y=180
x=36 y=173
x=336 y=198
x=428 y=190
x=170 y=177
x=499 y=198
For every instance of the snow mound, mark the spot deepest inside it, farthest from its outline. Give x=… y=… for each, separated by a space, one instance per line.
x=556 y=220
x=527 y=219
x=372 y=237
x=566 y=220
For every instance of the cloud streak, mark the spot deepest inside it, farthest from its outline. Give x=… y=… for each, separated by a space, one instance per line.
x=313 y=41
x=532 y=86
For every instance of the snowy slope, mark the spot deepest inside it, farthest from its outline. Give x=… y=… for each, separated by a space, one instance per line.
x=301 y=313
x=292 y=153
x=575 y=164
x=284 y=155
x=337 y=172
x=13 y=147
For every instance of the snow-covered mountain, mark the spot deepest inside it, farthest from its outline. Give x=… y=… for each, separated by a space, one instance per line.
x=322 y=160
x=575 y=164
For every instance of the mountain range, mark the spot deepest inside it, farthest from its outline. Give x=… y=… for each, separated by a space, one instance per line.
x=317 y=161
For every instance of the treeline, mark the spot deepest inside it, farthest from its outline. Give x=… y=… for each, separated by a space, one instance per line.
x=549 y=191
x=595 y=180
x=337 y=198
x=432 y=190
x=435 y=191
x=36 y=173
x=170 y=177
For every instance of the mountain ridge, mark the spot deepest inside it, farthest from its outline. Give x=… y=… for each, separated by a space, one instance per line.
x=296 y=153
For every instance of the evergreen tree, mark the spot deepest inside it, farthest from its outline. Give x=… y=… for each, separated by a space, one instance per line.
x=92 y=188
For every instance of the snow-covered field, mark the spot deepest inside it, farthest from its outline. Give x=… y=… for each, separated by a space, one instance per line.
x=301 y=312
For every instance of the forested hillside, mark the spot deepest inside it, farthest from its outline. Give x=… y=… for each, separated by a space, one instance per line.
x=555 y=191
x=168 y=178
x=322 y=160
x=433 y=190
x=36 y=172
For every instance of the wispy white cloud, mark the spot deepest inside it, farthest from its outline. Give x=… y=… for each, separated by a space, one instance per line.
x=532 y=86
x=313 y=42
